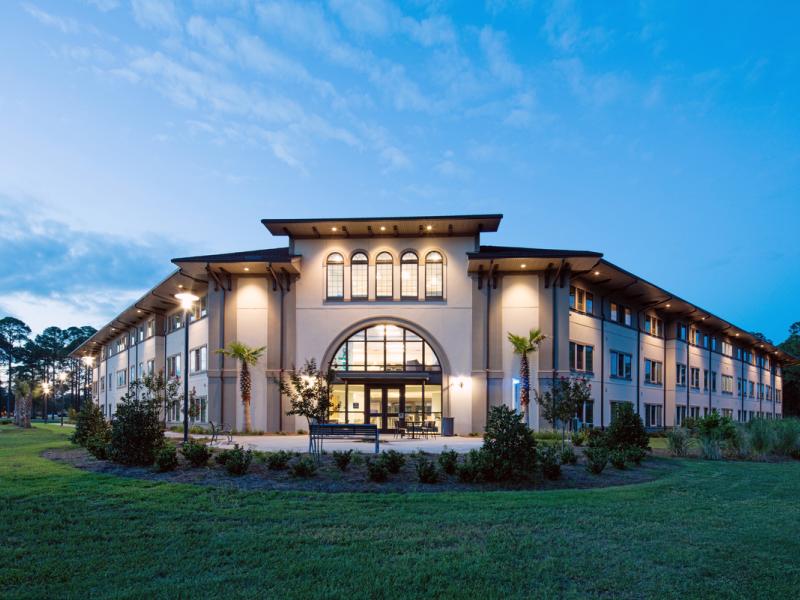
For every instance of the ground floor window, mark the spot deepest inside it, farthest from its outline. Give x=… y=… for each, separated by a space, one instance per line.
x=680 y=415
x=615 y=407
x=385 y=403
x=198 y=412
x=584 y=416
x=652 y=415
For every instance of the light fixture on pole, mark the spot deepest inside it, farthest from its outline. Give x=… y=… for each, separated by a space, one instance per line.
x=88 y=363
x=45 y=391
x=187 y=300
x=62 y=377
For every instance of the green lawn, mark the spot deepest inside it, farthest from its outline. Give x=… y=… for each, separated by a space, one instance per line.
x=707 y=529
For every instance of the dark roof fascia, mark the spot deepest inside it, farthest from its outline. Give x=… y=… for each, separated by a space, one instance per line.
x=266 y=254
x=517 y=252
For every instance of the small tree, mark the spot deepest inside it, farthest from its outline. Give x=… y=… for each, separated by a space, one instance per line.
x=136 y=434
x=626 y=430
x=509 y=448
x=247 y=357
x=163 y=392
x=523 y=346
x=562 y=402
x=90 y=422
x=309 y=392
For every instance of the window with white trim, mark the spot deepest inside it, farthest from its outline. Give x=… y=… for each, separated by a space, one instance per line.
x=199 y=359
x=695 y=377
x=621 y=365
x=359 y=275
x=654 y=326
x=727 y=384
x=384 y=273
x=434 y=275
x=680 y=374
x=174 y=366
x=652 y=415
x=334 y=276
x=653 y=371
x=621 y=314
x=121 y=378
x=409 y=275
x=581 y=357
x=581 y=300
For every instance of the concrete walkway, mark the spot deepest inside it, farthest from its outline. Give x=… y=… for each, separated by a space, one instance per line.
x=299 y=443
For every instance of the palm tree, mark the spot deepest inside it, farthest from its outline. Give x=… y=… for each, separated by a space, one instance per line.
x=248 y=357
x=523 y=346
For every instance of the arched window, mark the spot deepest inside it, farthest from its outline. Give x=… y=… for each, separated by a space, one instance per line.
x=382 y=348
x=434 y=275
x=358 y=275
x=409 y=266
x=335 y=276
x=384 y=275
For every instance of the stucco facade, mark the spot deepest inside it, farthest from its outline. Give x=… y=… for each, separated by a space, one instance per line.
x=413 y=313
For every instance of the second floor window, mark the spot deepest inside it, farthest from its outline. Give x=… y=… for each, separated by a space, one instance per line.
x=174 y=366
x=620 y=365
x=335 y=276
x=581 y=300
x=409 y=278
x=652 y=371
x=654 y=326
x=199 y=359
x=695 y=381
x=620 y=314
x=359 y=269
x=434 y=275
x=680 y=374
x=680 y=331
x=121 y=378
x=727 y=384
x=383 y=276
x=580 y=357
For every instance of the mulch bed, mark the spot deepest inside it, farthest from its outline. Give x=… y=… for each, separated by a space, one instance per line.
x=329 y=478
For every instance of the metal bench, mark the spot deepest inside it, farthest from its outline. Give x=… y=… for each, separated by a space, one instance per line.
x=216 y=430
x=320 y=431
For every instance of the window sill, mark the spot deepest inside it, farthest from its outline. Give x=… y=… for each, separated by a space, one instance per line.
x=618 y=378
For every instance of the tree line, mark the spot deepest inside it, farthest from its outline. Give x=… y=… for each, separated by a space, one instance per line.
x=43 y=359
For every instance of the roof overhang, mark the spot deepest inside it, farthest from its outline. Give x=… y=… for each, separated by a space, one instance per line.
x=159 y=300
x=364 y=227
x=511 y=259
x=250 y=262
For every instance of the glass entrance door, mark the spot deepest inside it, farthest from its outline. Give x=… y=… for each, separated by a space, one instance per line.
x=384 y=406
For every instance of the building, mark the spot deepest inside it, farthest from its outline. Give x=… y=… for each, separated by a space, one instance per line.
x=413 y=313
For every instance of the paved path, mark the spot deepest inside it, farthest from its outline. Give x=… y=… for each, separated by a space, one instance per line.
x=299 y=443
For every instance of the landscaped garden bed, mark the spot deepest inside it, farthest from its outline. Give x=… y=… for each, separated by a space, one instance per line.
x=329 y=478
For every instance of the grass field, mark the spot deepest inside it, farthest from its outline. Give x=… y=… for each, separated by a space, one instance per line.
x=707 y=529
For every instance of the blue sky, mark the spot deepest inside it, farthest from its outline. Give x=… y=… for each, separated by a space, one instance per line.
x=664 y=134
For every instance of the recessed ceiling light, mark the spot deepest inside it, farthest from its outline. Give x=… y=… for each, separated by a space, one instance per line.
x=247 y=268
x=138 y=311
x=737 y=335
x=383 y=228
x=523 y=265
x=429 y=227
x=597 y=272
x=333 y=228
x=668 y=305
x=180 y=286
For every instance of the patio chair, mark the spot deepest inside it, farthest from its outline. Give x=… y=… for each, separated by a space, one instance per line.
x=400 y=428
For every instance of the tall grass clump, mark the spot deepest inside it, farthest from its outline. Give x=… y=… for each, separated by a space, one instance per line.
x=678 y=441
x=762 y=437
x=787 y=437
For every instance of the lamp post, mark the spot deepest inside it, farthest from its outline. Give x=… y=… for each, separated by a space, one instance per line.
x=62 y=377
x=45 y=391
x=187 y=300
x=88 y=363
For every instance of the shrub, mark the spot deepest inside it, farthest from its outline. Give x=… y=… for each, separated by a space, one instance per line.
x=136 y=434
x=472 y=469
x=97 y=444
x=678 y=441
x=304 y=467
x=448 y=460
x=568 y=456
x=635 y=455
x=596 y=459
x=596 y=438
x=787 y=437
x=426 y=471
x=5 y=421
x=738 y=445
x=712 y=431
x=579 y=438
x=762 y=437
x=626 y=430
x=236 y=460
x=509 y=447
x=90 y=421
x=710 y=448
x=342 y=458
x=376 y=471
x=196 y=453
x=277 y=461
x=548 y=458
x=72 y=414
x=617 y=458
x=392 y=460
x=166 y=459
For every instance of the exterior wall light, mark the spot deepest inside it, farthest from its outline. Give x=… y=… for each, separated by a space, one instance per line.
x=187 y=299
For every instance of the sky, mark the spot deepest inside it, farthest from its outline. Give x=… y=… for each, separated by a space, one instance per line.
x=664 y=134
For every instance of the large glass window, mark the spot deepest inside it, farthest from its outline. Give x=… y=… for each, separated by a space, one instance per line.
x=434 y=275
x=335 y=276
x=359 y=267
x=384 y=287
x=409 y=268
x=385 y=348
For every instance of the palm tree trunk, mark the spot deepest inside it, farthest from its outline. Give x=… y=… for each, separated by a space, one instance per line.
x=525 y=387
x=245 y=386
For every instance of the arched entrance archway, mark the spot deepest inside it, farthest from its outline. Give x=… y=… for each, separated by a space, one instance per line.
x=387 y=374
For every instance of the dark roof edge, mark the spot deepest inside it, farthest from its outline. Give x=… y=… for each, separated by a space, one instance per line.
x=365 y=219
x=242 y=256
x=520 y=252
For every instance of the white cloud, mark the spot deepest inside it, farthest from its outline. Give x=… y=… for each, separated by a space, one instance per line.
x=372 y=17
x=599 y=90
x=64 y=24
x=103 y=5
x=500 y=63
x=156 y=14
x=564 y=30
